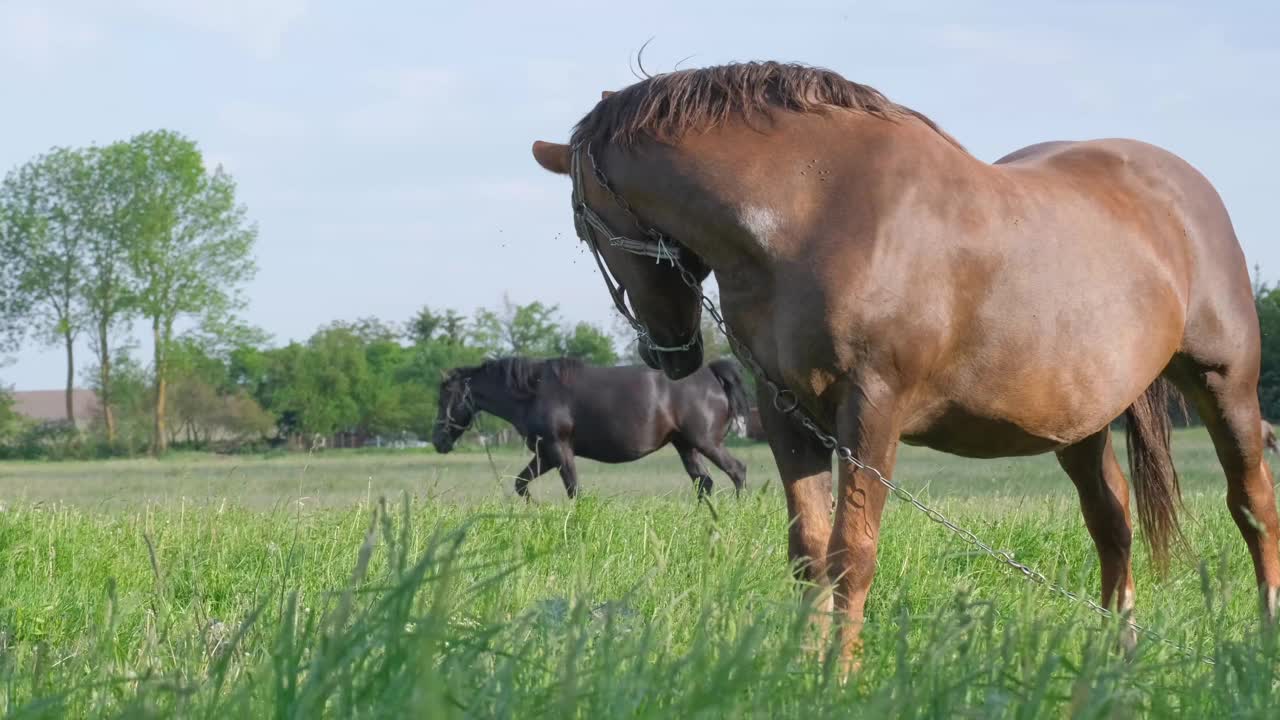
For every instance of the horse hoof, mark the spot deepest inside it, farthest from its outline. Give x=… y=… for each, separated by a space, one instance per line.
x=1128 y=643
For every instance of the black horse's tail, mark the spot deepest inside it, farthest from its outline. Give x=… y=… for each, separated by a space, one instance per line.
x=735 y=390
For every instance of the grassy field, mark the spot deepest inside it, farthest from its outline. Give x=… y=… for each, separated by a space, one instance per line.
x=285 y=587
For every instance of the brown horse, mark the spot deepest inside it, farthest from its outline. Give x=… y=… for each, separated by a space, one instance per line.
x=904 y=289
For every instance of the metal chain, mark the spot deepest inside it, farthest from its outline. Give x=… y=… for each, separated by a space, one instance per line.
x=786 y=402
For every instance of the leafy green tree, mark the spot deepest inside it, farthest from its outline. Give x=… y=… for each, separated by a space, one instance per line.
x=325 y=391
x=204 y=414
x=269 y=376
x=108 y=292
x=587 y=342
x=191 y=250
x=532 y=330
x=191 y=358
x=1268 y=302
x=367 y=330
x=244 y=418
x=130 y=400
x=44 y=213
x=382 y=400
x=14 y=305
x=428 y=326
x=194 y=405
x=10 y=422
x=440 y=344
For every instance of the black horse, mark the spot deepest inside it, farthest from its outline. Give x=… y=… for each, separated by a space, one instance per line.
x=565 y=408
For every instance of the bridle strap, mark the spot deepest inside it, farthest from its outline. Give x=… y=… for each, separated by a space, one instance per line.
x=589 y=225
x=469 y=401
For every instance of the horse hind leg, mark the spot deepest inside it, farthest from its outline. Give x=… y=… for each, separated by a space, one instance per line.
x=1104 y=500
x=728 y=464
x=1226 y=396
x=697 y=472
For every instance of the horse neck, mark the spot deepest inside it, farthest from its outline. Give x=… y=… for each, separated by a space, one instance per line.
x=496 y=400
x=692 y=192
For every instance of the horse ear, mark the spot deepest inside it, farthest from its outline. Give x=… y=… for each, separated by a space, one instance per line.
x=604 y=94
x=444 y=375
x=552 y=156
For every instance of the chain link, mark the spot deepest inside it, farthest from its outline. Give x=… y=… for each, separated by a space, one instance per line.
x=787 y=403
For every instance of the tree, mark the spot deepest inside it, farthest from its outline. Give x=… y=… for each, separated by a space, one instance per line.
x=587 y=342
x=130 y=400
x=108 y=290
x=14 y=306
x=269 y=377
x=10 y=422
x=325 y=391
x=367 y=329
x=191 y=250
x=428 y=326
x=532 y=330
x=244 y=419
x=194 y=404
x=44 y=216
x=1268 y=303
x=204 y=413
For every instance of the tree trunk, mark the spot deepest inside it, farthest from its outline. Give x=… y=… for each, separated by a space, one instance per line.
x=104 y=382
x=71 y=378
x=159 y=437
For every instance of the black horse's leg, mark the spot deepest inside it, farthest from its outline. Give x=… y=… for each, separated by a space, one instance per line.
x=701 y=478
x=728 y=464
x=537 y=466
x=568 y=472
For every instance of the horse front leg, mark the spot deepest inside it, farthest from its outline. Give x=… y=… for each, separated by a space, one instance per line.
x=697 y=473
x=866 y=424
x=804 y=466
x=540 y=464
x=568 y=472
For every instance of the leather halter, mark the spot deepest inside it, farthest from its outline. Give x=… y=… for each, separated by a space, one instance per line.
x=590 y=227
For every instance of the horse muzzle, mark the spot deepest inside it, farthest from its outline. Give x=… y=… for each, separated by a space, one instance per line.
x=442 y=442
x=675 y=364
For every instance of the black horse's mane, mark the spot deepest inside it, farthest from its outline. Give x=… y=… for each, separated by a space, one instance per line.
x=522 y=376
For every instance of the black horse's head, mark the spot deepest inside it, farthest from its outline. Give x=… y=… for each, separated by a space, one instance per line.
x=456 y=410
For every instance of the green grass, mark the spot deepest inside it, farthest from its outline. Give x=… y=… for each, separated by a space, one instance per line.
x=214 y=587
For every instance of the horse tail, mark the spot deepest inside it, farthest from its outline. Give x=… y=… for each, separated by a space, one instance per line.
x=1148 y=436
x=735 y=390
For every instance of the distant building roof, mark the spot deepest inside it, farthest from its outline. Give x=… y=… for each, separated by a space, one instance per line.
x=49 y=405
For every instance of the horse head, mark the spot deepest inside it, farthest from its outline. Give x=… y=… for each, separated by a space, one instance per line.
x=456 y=411
x=640 y=265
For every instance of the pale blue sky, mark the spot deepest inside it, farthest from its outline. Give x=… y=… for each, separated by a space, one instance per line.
x=383 y=147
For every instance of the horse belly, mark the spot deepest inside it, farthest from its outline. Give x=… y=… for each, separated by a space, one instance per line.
x=1063 y=349
x=1048 y=395
x=615 y=432
x=964 y=434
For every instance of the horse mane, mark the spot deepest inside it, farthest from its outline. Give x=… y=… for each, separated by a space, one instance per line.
x=522 y=376
x=668 y=106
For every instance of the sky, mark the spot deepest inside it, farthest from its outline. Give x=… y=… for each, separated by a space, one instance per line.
x=382 y=148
